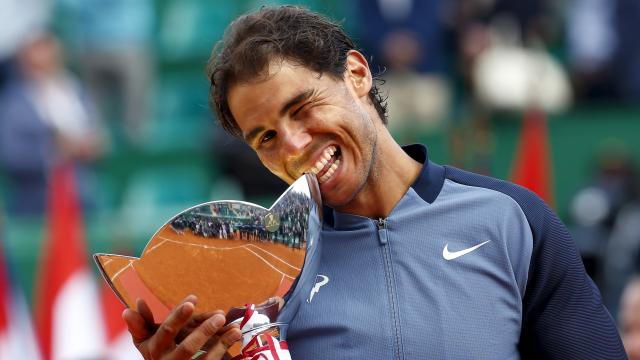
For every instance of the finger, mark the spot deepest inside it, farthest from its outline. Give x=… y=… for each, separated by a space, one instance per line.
x=191 y=298
x=280 y=302
x=219 y=349
x=227 y=328
x=192 y=343
x=145 y=312
x=271 y=300
x=194 y=322
x=136 y=325
x=198 y=319
x=212 y=340
x=164 y=339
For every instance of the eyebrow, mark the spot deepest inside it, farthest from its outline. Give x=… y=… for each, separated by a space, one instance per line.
x=252 y=134
x=296 y=99
x=303 y=95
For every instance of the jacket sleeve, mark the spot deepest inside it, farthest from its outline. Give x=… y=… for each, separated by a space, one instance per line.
x=563 y=314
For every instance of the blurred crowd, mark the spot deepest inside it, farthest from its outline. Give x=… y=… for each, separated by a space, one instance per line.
x=79 y=79
x=605 y=216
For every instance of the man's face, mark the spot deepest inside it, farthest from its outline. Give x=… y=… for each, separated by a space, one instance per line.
x=298 y=121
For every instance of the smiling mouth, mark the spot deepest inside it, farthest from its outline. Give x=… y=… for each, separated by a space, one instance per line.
x=328 y=164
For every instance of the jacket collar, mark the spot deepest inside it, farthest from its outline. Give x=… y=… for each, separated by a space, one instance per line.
x=427 y=185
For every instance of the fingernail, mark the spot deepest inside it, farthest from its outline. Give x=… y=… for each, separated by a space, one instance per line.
x=237 y=335
x=187 y=308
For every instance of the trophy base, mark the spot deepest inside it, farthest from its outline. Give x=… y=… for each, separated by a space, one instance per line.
x=265 y=347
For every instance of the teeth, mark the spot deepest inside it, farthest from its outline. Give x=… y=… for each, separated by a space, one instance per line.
x=330 y=172
x=324 y=159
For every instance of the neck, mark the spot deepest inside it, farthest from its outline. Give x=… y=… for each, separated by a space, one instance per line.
x=392 y=173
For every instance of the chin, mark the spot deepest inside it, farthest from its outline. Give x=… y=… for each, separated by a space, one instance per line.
x=336 y=201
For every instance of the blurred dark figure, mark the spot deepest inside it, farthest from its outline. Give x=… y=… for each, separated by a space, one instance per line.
x=606 y=215
x=615 y=182
x=237 y=161
x=416 y=25
x=629 y=318
x=407 y=39
x=628 y=51
x=5 y=71
x=622 y=253
x=45 y=117
x=603 y=53
x=592 y=43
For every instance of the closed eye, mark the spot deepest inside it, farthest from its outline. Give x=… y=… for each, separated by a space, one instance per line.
x=298 y=110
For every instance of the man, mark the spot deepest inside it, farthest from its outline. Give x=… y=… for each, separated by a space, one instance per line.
x=46 y=118
x=418 y=260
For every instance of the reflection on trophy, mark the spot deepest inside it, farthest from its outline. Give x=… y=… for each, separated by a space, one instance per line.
x=230 y=254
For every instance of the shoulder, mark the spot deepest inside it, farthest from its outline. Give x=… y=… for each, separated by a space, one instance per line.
x=533 y=207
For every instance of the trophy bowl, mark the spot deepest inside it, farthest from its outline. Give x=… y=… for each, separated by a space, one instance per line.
x=227 y=253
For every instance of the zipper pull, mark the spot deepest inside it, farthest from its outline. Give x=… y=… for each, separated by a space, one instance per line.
x=382 y=230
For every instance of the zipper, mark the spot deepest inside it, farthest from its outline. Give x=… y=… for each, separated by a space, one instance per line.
x=383 y=238
x=382 y=230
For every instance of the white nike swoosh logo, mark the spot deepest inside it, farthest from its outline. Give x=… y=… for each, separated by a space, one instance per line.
x=317 y=286
x=456 y=254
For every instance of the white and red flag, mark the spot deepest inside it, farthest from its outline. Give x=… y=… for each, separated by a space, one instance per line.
x=68 y=313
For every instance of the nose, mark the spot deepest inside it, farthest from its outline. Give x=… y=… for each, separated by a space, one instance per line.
x=295 y=139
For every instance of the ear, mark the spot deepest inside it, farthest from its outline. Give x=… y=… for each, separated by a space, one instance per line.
x=357 y=75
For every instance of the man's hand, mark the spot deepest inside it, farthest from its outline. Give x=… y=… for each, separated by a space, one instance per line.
x=182 y=334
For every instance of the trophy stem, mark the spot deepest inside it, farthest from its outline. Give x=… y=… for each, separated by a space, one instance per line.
x=261 y=338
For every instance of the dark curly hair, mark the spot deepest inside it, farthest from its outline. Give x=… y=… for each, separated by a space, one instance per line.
x=286 y=32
